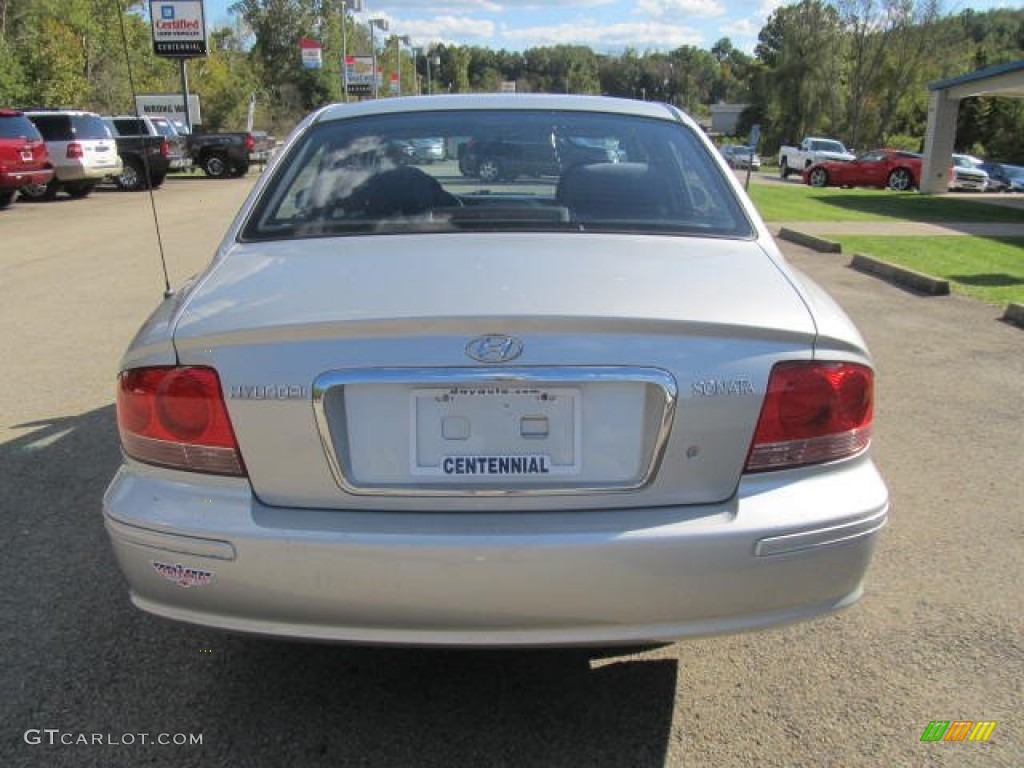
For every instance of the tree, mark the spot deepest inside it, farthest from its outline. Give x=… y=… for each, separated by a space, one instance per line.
x=799 y=48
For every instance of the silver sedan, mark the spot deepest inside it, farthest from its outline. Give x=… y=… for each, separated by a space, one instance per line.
x=406 y=406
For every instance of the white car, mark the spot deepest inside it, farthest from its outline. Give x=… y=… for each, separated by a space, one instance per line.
x=597 y=408
x=739 y=156
x=82 y=149
x=968 y=175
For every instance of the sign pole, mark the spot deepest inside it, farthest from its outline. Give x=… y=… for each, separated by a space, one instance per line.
x=184 y=91
x=344 y=52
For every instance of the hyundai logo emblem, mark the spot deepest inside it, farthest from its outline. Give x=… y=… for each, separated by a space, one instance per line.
x=494 y=348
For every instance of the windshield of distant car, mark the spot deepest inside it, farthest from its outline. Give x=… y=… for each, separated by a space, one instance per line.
x=824 y=145
x=497 y=170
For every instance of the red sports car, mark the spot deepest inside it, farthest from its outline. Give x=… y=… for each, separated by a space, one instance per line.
x=893 y=168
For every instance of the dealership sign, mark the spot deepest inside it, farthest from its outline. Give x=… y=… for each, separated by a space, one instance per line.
x=179 y=28
x=312 y=53
x=359 y=75
x=169 y=105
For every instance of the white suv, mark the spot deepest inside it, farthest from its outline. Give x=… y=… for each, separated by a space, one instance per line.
x=82 y=151
x=968 y=175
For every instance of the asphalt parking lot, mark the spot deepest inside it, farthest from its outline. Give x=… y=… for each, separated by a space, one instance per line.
x=938 y=636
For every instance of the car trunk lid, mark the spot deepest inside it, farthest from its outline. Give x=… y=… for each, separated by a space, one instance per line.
x=409 y=371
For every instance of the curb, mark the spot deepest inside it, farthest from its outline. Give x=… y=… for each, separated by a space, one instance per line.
x=819 y=244
x=1014 y=314
x=931 y=286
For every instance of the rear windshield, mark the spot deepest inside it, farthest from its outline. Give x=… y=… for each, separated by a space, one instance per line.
x=89 y=127
x=130 y=126
x=824 y=145
x=164 y=128
x=497 y=170
x=18 y=127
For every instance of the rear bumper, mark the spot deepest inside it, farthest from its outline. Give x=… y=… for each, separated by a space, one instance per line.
x=71 y=172
x=211 y=554
x=12 y=179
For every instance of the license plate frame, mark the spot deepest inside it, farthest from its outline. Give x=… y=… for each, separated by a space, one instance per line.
x=495 y=432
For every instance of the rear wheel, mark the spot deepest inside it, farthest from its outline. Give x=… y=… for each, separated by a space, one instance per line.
x=900 y=180
x=40 y=191
x=80 y=189
x=156 y=179
x=6 y=197
x=784 y=169
x=132 y=177
x=215 y=166
x=490 y=170
x=818 y=177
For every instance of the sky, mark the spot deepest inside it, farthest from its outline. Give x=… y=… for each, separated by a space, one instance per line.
x=608 y=26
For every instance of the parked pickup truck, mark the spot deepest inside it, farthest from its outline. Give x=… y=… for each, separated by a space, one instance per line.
x=140 y=139
x=145 y=157
x=811 y=150
x=222 y=154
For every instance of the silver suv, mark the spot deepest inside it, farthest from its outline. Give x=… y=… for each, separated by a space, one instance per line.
x=82 y=151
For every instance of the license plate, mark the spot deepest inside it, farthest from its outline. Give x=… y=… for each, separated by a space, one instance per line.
x=495 y=431
x=26 y=156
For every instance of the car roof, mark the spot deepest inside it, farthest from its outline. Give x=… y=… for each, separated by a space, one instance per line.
x=58 y=112
x=532 y=101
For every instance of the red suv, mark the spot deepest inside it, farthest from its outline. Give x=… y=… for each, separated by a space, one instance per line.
x=23 y=156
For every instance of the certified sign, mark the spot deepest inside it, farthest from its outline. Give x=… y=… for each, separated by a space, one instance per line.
x=179 y=28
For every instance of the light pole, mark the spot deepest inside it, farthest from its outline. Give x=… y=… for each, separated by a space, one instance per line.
x=382 y=25
x=437 y=63
x=356 y=6
x=399 y=42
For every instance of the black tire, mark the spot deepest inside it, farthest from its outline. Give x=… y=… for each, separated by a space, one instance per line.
x=784 y=169
x=215 y=165
x=80 y=189
x=818 y=177
x=490 y=170
x=39 y=192
x=901 y=180
x=156 y=179
x=6 y=197
x=133 y=176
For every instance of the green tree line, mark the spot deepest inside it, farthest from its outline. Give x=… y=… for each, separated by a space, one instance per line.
x=854 y=69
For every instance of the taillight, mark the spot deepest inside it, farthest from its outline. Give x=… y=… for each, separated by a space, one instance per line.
x=165 y=148
x=250 y=142
x=176 y=417
x=813 y=412
x=75 y=151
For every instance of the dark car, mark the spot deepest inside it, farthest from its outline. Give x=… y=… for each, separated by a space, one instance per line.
x=998 y=178
x=24 y=158
x=508 y=157
x=891 y=168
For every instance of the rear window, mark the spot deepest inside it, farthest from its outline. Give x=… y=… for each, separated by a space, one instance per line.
x=496 y=170
x=54 y=127
x=18 y=127
x=129 y=126
x=89 y=127
x=164 y=128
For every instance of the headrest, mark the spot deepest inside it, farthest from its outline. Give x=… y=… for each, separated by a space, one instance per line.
x=402 y=191
x=613 y=191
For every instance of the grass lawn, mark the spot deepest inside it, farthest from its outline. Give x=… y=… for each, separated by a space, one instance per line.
x=988 y=268
x=798 y=202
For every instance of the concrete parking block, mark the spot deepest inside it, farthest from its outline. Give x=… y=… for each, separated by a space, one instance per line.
x=926 y=284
